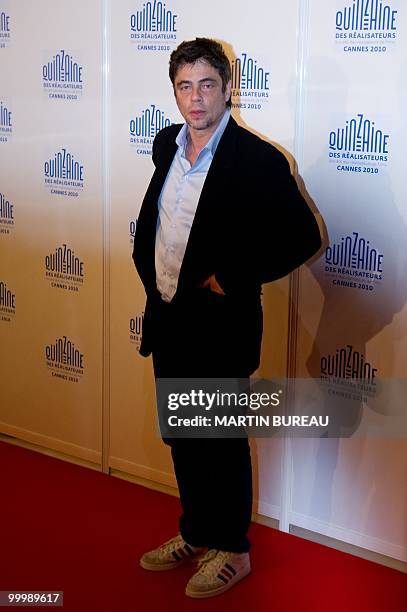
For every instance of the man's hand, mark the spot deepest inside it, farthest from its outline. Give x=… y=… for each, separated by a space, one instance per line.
x=212 y=284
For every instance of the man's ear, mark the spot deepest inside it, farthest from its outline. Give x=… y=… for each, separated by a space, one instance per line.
x=228 y=90
x=175 y=95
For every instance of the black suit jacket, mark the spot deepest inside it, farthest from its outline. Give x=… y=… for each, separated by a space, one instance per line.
x=251 y=225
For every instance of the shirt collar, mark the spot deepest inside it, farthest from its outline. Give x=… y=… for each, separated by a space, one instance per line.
x=213 y=142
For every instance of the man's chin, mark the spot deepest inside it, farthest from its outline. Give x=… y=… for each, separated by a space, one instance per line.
x=199 y=124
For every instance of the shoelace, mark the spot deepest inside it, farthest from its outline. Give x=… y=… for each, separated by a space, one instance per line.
x=172 y=545
x=219 y=558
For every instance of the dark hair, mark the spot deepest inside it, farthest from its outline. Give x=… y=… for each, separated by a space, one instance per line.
x=190 y=51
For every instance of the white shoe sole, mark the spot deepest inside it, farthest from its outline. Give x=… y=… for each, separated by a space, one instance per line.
x=218 y=590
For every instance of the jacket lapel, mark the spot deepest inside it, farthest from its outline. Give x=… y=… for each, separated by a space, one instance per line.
x=214 y=194
x=144 y=244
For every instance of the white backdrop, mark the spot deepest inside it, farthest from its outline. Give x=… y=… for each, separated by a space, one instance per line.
x=51 y=253
x=354 y=296
x=84 y=87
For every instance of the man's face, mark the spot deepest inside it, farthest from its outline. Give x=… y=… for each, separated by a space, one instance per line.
x=199 y=95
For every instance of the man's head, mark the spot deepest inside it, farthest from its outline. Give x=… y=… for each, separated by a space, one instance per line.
x=206 y=49
x=200 y=74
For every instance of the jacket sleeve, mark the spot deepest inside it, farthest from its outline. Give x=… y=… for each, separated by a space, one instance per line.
x=281 y=232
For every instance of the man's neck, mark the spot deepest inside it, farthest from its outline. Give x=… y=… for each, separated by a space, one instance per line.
x=193 y=148
x=200 y=138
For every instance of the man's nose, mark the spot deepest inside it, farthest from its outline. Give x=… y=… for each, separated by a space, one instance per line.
x=196 y=92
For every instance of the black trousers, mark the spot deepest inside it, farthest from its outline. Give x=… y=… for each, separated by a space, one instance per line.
x=197 y=339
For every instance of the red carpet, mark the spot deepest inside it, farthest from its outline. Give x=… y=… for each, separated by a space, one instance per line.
x=71 y=529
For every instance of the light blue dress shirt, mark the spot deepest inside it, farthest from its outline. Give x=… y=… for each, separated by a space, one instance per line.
x=177 y=205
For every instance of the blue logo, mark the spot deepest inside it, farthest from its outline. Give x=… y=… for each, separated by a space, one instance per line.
x=143 y=129
x=153 y=27
x=64 y=360
x=6 y=125
x=250 y=83
x=7 y=303
x=348 y=363
x=4 y=29
x=6 y=215
x=63 y=174
x=348 y=374
x=132 y=229
x=359 y=140
x=366 y=26
x=135 y=329
x=354 y=262
x=62 y=77
x=64 y=269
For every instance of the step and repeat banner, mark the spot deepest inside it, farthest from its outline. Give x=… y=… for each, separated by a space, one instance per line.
x=353 y=316
x=51 y=224
x=322 y=79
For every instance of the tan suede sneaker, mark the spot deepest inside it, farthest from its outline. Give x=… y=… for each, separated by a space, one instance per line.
x=218 y=571
x=171 y=554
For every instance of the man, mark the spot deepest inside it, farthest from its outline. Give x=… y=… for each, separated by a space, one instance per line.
x=221 y=216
